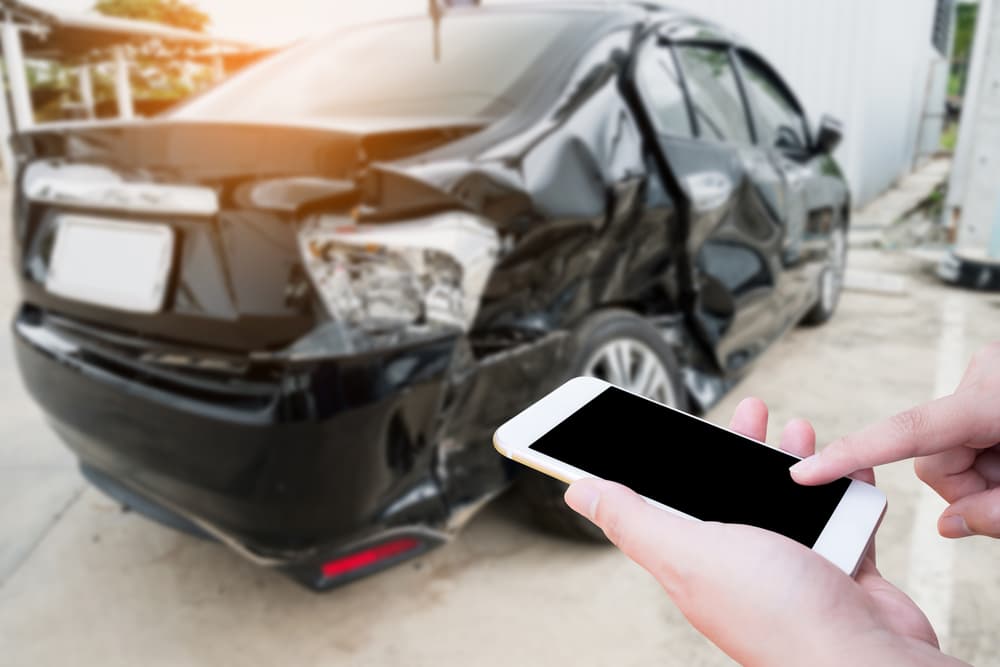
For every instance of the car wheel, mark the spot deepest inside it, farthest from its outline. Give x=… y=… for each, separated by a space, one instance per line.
x=831 y=278
x=625 y=350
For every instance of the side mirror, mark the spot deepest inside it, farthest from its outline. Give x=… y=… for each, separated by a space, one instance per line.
x=831 y=131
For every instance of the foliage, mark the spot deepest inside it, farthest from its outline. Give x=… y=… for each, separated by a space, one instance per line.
x=949 y=137
x=965 y=28
x=154 y=79
x=175 y=13
x=961 y=53
x=955 y=81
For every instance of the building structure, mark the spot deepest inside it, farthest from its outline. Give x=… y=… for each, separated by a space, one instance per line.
x=972 y=207
x=85 y=41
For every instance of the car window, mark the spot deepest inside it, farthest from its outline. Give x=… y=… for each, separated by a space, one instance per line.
x=661 y=90
x=715 y=94
x=776 y=115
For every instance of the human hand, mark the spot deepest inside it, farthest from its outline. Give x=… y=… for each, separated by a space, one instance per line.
x=954 y=440
x=759 y=596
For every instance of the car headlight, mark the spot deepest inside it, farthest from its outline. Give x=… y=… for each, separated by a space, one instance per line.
x=385 y=276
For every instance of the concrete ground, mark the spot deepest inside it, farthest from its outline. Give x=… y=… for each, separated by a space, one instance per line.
x=907 y=194
x=82 y=582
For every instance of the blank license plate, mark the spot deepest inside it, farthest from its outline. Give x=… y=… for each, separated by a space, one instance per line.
x=122 y=265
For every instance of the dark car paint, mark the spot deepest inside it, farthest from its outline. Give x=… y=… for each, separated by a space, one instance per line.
x=208 y=408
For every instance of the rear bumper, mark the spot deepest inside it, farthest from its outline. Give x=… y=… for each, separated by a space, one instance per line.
x=286 y=463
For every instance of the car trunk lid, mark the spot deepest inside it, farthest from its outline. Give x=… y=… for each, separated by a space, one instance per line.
x=231 y=194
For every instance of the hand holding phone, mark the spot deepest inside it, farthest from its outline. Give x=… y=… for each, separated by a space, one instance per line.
x=685 y=465
x=763 y=599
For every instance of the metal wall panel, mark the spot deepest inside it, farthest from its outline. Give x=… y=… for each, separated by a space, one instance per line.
x=973 y=194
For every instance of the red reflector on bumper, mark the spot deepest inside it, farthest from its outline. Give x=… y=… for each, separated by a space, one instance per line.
x=368 y=557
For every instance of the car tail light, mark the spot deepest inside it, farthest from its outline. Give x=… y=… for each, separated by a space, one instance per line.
x=429 y=271
x=368 y=557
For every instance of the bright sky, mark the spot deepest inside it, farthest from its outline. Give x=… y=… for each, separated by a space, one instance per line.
x=277 y=21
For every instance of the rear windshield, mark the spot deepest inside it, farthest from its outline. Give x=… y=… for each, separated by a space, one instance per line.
x=475 y=65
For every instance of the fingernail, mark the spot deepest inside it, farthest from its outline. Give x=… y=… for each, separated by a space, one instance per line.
x=954 y=526
x=582 y=497
x=806 y=465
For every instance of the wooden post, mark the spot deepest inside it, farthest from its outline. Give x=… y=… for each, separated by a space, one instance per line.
x=86 y=89
x=17 y=77
x=123 y=88
x=6 y=153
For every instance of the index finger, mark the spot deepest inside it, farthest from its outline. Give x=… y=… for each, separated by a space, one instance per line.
x=930 y=428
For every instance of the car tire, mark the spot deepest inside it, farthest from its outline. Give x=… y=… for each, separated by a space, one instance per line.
x=601 y=338
x=831 y=278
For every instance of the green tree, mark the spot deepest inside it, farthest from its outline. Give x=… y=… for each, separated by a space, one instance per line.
x=175 y=13
x=965 y=28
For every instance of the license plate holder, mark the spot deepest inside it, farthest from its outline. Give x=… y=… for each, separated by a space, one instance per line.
x=117 y=264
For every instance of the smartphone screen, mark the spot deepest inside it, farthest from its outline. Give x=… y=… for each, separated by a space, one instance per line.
x=692 y=466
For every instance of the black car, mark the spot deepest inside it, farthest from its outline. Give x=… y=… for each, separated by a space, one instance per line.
x=289 y=314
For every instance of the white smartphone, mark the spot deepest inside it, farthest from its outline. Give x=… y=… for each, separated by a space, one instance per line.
x=685 y=465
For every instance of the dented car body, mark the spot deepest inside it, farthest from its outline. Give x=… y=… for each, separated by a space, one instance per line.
x=368 y=270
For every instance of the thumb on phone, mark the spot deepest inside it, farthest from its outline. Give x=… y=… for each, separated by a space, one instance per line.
x=653 y=538
x=734 y=583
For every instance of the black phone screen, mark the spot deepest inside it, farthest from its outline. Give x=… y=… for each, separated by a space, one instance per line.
x=692 y=466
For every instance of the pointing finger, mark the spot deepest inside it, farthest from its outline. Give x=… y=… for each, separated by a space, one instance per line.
x=927 y=429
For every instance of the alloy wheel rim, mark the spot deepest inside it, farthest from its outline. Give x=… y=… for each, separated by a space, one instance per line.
x=632 y=365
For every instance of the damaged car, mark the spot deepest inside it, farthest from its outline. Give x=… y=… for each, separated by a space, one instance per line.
x=289 y=314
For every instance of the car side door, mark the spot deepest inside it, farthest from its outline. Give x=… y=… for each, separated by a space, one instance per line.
x=782 y=133
x=732 y=232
